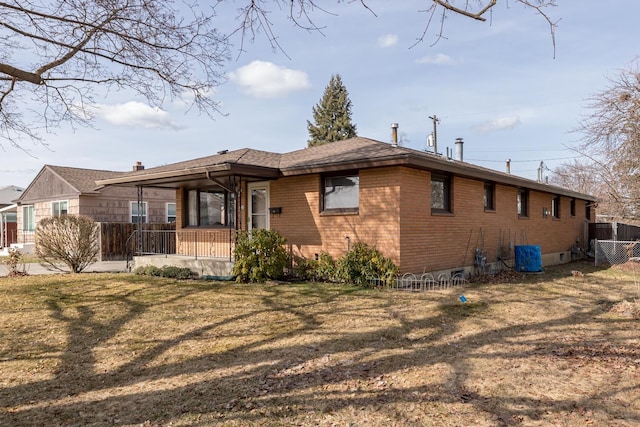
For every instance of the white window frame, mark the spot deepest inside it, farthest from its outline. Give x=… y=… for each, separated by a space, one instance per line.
x=28 y=218
x=175 y=212
x=56 y=208
x=145 y=215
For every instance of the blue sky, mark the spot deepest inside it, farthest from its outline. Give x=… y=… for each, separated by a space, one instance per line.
x=496 y=84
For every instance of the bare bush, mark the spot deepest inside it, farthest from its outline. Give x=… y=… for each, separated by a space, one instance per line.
x=67 y=240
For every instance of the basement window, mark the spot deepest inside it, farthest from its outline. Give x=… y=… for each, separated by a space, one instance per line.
x=341 y=194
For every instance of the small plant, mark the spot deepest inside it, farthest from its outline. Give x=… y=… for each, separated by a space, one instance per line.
x=149 y=270
x=169 y=271
x=360 y=266
x=327 y=270
x=176 y=272
x=363 y=263
x=305 y=269
x=259 y=256
x=70 y=240
x=13 y=261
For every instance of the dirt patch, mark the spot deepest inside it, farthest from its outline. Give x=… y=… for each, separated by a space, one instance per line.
x=125 y=350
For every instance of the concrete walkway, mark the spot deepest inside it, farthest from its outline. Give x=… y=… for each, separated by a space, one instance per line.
x=98 y=267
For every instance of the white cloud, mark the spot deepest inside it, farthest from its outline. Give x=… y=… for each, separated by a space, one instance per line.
x=500 y=123
x=135 y=114
x=439 y=59
x=387 y=40
x=266 y=80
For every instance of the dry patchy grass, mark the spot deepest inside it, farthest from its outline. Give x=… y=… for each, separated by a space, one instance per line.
x=99 y=349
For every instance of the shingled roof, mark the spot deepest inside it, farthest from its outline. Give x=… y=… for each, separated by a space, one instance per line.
x=80 y=181
x=354 y=153
x=83 y=180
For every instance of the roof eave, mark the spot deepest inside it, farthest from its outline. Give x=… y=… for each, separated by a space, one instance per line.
x=437 y=164
x=203 y=172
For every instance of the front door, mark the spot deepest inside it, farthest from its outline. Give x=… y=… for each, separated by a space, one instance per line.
x=258 y=205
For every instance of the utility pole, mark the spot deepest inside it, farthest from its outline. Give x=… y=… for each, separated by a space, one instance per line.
x=436 y=120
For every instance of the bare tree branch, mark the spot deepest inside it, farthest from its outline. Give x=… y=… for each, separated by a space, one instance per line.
x=464 y=12
x=56 y=55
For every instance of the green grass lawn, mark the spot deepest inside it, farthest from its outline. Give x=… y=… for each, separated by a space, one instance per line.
x=120 y=349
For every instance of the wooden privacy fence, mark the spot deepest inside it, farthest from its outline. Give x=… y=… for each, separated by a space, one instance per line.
x=114 y=235
x=613 y=231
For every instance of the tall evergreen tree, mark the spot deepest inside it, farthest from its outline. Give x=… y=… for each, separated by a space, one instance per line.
x=332 y=115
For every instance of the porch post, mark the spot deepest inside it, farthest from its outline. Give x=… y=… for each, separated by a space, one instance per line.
x=139 y=218
x=236 y=215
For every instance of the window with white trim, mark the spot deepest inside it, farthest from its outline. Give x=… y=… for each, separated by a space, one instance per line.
x=28 y=218
x=171 y=212
x=138 y=211
x=60 y=207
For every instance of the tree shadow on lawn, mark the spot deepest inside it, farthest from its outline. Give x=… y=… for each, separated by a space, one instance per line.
x=366 y=368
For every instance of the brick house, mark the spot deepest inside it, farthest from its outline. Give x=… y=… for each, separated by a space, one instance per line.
x=59 y=190
x=427 y=213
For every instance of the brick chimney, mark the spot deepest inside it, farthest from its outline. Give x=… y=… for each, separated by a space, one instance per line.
x=138 y=166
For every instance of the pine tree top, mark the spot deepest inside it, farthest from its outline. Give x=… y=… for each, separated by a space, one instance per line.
x=332 y=115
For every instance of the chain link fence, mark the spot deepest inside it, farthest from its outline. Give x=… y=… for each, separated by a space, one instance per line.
x=615 y=252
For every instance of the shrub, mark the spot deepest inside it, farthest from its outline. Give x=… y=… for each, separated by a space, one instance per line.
x=12 y=261
x=363 y=263
x=166 y=271
x=177 y=272
x=260 y=256
x=71 y=240
x=305 y=269
x=327 y=270
x=149 y=270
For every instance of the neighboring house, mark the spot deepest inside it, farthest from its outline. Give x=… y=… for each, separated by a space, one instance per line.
x=427 y=213
x=8 y=214
x=59 y=190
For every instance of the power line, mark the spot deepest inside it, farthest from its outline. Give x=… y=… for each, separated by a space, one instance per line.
x=523 y=161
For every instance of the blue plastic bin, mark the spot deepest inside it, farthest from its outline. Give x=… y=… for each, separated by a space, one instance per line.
x=528 y=258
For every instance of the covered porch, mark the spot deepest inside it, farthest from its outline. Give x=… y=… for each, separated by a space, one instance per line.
x=205 y=252
x=216 y=196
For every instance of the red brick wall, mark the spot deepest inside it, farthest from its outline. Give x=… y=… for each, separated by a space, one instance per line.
x=438 y=241
x=395 y=216
x=310 y=232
